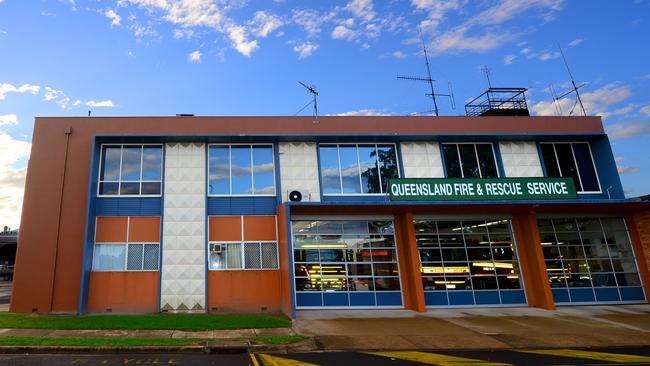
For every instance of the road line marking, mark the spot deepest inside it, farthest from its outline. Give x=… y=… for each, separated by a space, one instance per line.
x=435 y=358
x=254 y=359
x=600 y=356
x=268 y=360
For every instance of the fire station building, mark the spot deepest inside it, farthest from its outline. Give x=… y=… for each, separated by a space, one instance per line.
x=282 y=214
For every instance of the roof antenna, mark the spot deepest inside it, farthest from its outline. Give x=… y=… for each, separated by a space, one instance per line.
x=312 y=90
x=89 y=113
x=486 y=71
x=430 y=80
x=556 y=100
x=574 y=89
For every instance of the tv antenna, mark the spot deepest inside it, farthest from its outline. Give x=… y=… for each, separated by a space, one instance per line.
x=575 y=88
x=430 y=80
x=312 y=90
x=486 y=71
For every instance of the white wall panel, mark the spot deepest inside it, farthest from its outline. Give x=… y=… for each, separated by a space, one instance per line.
x=520 y=159
x=184 y=244
x=422 y=160
x=299 y=170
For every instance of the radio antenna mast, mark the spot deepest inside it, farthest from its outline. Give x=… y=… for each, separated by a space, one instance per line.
x=428 y=79
x=312 y=90
x=574 y=89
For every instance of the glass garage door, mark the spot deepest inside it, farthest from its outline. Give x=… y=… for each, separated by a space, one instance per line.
x=351 y=263
x=468 y=262
x=590 y=260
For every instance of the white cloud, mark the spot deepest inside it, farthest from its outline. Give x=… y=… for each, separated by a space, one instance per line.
x=56 y=96
x=625 y=169
x=25 y=88
x=195 y=56
x=398 y=54
x=436 y=11
x=597 y=103
x=645 y=110
x=546 y=55
x=343 y=32
x=12 y=179
x=526 y=50
x=311 y=20
x=100 y=104
x=305 y=50
x=509 y=59
x=363 y=112
x=621 y=130
x=264 y=24
x=114 y=17
x=239 y=39
x=575 y=42
x=458 y=41
x=362 y=9
x=183 y=33
x=8 y=119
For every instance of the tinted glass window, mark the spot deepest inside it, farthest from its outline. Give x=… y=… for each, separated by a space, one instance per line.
x=350 y=169
x=550 y=162
x=369 y=170
x=111 y=156
x=131 y=170
x=452 y=162
x=151 y=163
x=263 y=172
x=486 y=160
x=219 y=170
x=586 y=167
x=329 y=165
x=567 y=164
x=241 y=170
x=468 y=161
x=357 y=169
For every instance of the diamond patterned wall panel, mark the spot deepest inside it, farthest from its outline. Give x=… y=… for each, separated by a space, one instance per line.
x=520 y=159
x=299 y=170
x=422 y=160
x=183 y=251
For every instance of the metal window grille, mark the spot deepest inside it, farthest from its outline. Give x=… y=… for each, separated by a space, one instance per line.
x=150 y=259
x=134 y=257
x=252 y=255
x=269 y=255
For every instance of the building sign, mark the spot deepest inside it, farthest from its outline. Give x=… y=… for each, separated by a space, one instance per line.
x=475 y=189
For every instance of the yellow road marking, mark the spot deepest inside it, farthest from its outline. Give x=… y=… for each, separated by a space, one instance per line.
x=254 y=359
x=269 y=360
x=601 y=356
x=435 y=359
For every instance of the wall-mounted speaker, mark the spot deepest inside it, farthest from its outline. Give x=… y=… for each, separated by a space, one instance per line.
x=295 y=196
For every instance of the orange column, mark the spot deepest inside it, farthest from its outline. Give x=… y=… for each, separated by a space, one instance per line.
x=285 y=267
x=639 y=227
x=531 y=260
x=409 y=263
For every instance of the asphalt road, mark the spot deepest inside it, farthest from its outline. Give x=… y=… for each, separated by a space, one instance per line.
x=529 y=357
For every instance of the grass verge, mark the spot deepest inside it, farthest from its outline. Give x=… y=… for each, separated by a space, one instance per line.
x=96 y=341
x=186 y=322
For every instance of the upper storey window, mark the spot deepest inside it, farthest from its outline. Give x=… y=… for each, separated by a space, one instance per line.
x=130 y=170
x=571 y=159
x=470 y=160
x=241 y=170
x=357 y=168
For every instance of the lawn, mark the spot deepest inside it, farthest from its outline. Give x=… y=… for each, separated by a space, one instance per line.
x=96 y=341
x=186 y=322
x=132 y=342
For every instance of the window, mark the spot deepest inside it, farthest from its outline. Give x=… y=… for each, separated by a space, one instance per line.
x=349 y=262
x=357 y=168
x=470 y=160
x=126 y=257
x=571 y=160
x=589 y=259
x=130 y=170
x=468 y=262
x=244 y=255
x=241 y=170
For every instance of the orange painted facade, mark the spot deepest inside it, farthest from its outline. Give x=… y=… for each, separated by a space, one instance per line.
x=123 y=292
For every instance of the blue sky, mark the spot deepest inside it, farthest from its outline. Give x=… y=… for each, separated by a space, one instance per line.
x=239 y=57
